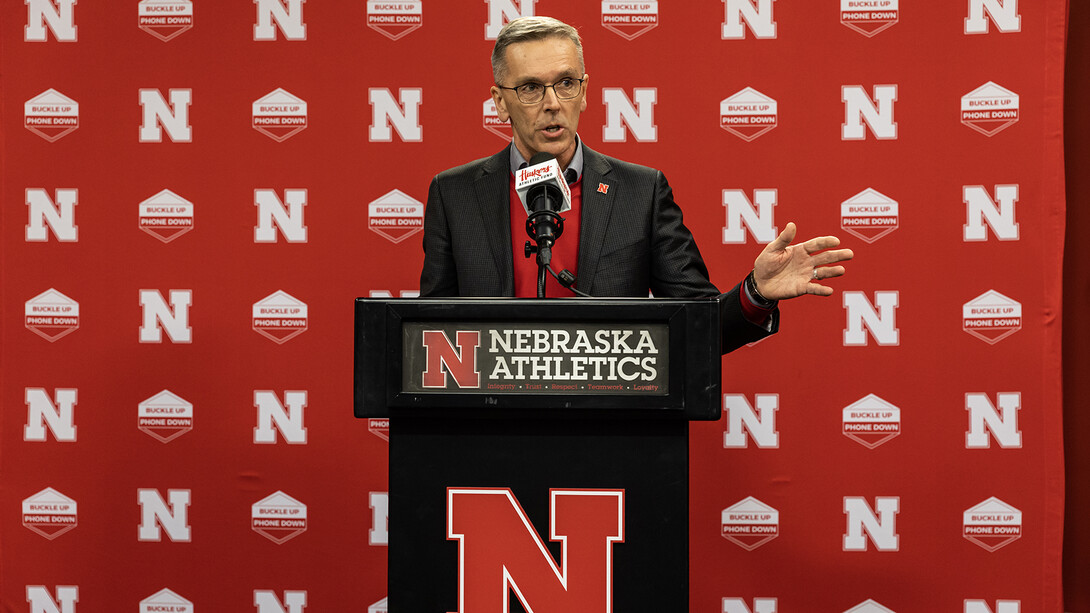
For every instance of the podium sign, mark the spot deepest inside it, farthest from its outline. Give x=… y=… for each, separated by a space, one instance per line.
x=542 y=358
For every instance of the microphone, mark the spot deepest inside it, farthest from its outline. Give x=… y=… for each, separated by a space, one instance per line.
x=542 y=179
x=544 y=194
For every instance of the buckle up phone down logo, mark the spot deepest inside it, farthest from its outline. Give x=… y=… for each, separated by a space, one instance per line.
x=280 y=317
x=989 y=109
x=165 y=19
x=750 y=523
x=51 y=115
x=279 y=517
x=869 y=215
x=871 y=421
x=49 y=513
x=166 y=216
x=280 y=115
x=165 y=600
x=748 y=114
x=395 y=19
x=992 y=524
x=991 y=317
x=395 y=216
x=52 y=315
x=630 y=19
x=869 y=606
x=380 y=427
x=868 y=17
x=492 y=123
x=165 y=416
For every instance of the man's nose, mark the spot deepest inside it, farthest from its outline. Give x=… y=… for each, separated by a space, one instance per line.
x=551 y=100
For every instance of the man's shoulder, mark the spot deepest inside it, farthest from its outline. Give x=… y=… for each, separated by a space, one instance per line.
x=603 y=163
x=471 y=170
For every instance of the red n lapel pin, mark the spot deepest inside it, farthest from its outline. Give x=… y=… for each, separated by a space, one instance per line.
x=603 y=188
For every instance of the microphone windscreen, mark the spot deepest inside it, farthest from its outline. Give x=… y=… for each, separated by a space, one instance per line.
x=541 y=157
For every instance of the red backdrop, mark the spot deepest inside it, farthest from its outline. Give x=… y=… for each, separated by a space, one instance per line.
x=194 y=192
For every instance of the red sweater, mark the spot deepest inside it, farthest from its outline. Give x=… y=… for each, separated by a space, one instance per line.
x=565 y=250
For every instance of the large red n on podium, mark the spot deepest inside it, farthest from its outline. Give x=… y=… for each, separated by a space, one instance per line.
x=500 y=552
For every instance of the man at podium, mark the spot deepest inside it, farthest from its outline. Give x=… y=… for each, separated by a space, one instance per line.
x=623 y=235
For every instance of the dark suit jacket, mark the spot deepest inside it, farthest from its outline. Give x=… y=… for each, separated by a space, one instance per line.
x=631 y=239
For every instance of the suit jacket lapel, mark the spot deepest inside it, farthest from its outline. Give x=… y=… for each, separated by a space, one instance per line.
x=493 y=200
x=598 y=194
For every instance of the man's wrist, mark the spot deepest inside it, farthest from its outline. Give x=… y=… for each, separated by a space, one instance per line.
x=754 y=295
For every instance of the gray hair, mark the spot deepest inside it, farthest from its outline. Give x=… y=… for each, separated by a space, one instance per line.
x=525 y=29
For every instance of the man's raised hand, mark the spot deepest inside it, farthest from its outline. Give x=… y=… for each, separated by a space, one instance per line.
x=785 y=271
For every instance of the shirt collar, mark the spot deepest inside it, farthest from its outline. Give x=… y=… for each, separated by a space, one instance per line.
x=576 y=165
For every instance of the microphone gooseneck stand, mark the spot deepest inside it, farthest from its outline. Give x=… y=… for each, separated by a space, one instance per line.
x=544 y=226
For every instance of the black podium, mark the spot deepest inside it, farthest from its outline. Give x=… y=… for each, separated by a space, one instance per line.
x=538 y=448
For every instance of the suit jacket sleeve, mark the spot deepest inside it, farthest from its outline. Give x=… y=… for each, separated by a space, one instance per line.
x=678 y=270
x=439 y=275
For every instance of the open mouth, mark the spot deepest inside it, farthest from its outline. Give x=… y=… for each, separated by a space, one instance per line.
x=552 y=130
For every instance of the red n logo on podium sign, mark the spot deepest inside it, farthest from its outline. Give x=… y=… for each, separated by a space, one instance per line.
x=460 y=362
x=499 y=552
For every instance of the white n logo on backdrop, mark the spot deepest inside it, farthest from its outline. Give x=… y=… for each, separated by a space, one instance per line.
x=1004 y=13
x=286 y=14
x=759 y=423
x=288 y=421
x=286 y=214
x=1001 y=606
x=156 y=515
x=757 y=14
x=58 y=213
x=379 y=534
x=402 y=113
x=882 y=323
x=621 y=112
x=502 y=11
x=57 y=15
x=58 y=414
x=759 y=219
x=984 y=417
x=267 y=602
x=157 y=316
x=760 y=605
x=158 y=114
x=41 y=601
x=981 y=209
x=877 y=114
x=880 y=527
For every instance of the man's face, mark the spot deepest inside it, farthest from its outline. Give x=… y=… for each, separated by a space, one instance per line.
x=548 y=125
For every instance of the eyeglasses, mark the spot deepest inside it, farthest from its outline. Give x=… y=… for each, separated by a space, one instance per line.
x=533 y=92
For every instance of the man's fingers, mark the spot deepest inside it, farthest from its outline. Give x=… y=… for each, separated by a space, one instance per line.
x=828 y=272
x=832 y=257
x=820 y=243
x=784 y=239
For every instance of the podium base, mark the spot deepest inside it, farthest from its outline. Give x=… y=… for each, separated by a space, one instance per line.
x=647 y=458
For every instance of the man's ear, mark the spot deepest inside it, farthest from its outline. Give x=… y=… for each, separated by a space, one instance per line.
x=501 y=104
x=583 y=105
